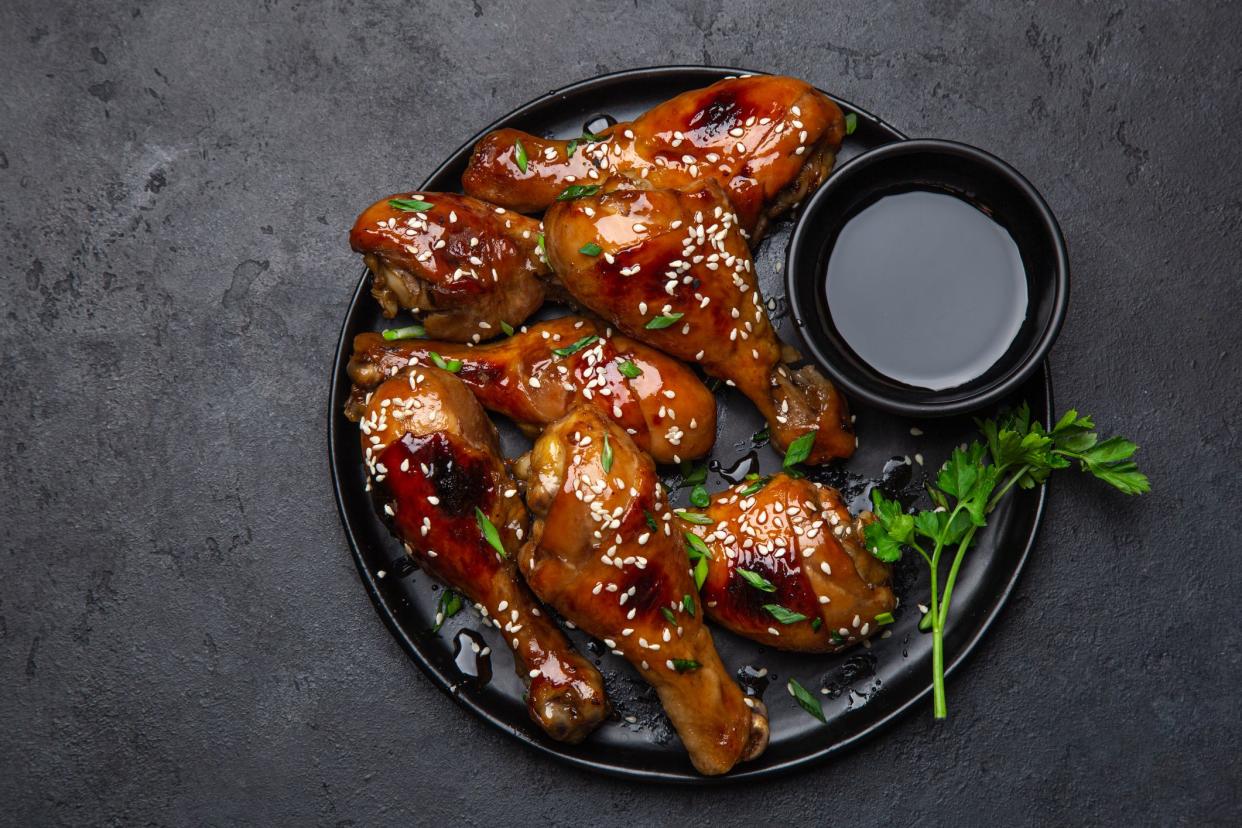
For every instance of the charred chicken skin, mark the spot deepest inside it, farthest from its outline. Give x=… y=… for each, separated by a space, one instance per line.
x=535 y=376
x=768 y=140
x=810 y=584
x=461 y=266
x=607 y=553
x=434 y=469
x=673 y=270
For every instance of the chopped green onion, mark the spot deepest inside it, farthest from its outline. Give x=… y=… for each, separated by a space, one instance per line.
x=806 y=700
x=569 y=149
x=687 y=601
x=630 y=370
x=799 y=449
x=448 y=606
x=590 y=249
x=700 y=572
x=507 y=328
x=651 y=521
x=698 y=548
x=756 y=580
x=408 y=332
x=683 y=665
x=520 y=152
x=607 y=458
x=576 y=347
x=851 y=123
x=884 y=618
x=699 y=497
x=409 y=205
x=785 y=616
x=692 y=474
x=661 y=322
x=668 y=615
x=489 y=532
x=761 y=437
x=543 y=247
x=577 y=191
x=450 y=365
x=816 y=624
x=755 y=486
x=697 y=518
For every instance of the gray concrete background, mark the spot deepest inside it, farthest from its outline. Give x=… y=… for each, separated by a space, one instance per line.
x=183 y=638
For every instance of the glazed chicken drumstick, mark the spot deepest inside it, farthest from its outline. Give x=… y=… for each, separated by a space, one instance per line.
x=809 y=584
x=462 y=266
x=434 y=469
x=607 y=553
x=535 y=376
x=768 y=140
x=671 y=268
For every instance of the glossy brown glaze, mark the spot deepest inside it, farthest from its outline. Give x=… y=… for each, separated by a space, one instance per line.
x=800 y=538
x=768 y=140
x=606 y=552
x=666 y=409
x=680 y=251
x=461 y=266
x=432 y=459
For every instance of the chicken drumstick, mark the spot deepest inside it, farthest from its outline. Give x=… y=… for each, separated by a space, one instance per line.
x=434 y=468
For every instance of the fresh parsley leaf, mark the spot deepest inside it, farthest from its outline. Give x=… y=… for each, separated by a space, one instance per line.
x=408 y=332
x=577 y=191
x=606 y=460
x=659 y=323
x=629 y=370
x=799 y=449
x=569 y=350
x=590 y=249
x=489 y=532
x=450 y=365
x=699 y=497
x=806 y=700
x=785 y=616
x=519 y=152
x=697 y=518
x=756 y=580
x=410 y=205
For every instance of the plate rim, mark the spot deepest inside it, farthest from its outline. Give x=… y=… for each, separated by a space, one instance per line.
x=340 y=359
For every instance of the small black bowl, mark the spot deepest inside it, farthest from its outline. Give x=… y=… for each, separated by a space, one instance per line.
x=958 y=169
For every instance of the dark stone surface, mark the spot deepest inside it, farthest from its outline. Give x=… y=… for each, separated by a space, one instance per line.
x=183 y=638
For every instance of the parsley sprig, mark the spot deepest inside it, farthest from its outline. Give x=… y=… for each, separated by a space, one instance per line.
x=1016 y=451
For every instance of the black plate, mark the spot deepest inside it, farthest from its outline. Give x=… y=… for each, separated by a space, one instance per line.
x=868 y=687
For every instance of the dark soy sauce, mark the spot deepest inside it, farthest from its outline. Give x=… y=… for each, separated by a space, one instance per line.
x=472 y=657
x=926 y=288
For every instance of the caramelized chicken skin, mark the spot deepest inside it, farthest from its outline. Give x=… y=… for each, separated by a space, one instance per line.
x=462 y=266
x=433 y=463
x=606 y=552
x=768 y=140
x=659 y=401
x=800 y=539
x=674 y=271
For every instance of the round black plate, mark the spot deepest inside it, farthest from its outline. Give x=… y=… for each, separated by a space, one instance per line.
x=866 y=687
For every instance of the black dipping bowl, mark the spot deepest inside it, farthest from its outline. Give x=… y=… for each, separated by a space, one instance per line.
x=957 y=169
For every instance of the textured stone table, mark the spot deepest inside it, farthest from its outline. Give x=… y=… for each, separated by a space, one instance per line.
x=183 y=638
